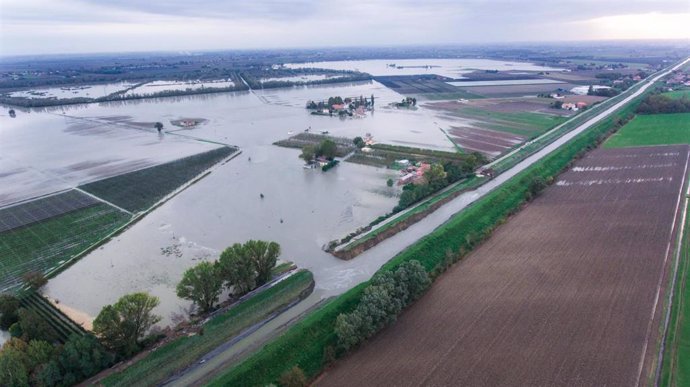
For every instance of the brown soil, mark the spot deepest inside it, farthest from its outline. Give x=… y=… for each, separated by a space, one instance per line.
x=562 y=294
x=486 y=141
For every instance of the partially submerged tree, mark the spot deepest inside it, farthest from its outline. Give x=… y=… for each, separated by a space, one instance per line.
x=308 y=152
x=264 y=255
x=201 y=284
x=158 y=126
x=122 y=325
x=237 y=269
x=327 y=149
x=245 y=266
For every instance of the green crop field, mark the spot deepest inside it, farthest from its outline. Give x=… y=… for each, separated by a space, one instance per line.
x=139 y=190
x=184 y=351
x=525 y=124
x=43 y=245
x=678 y=94
x=653 y=129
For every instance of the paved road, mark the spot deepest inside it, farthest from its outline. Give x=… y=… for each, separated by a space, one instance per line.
x=371 y=260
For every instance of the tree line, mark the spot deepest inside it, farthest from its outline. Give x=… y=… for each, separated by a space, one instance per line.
x=659 y=103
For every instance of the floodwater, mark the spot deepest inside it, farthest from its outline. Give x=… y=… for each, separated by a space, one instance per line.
x=160 y=86
x=47 y=150
x=301 y=78
x=451 y=68
x=582 y=90
x=86 y=91
x=507 y=82
x=225 y=207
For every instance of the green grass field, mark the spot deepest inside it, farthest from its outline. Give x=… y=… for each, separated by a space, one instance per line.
x=676 y=367
x=653 y=129
x=524 y=124
x=43 y=245
x=678 y=94
x=182 y=352
x=139 y=190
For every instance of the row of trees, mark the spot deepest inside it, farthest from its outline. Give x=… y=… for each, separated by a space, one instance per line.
x=658 y=103
x=436 y=178
x=40 y=363
x=241 y=268
x=383 y=300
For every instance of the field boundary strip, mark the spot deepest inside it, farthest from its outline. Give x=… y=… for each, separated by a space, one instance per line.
x=102 y=200
x=684 y=193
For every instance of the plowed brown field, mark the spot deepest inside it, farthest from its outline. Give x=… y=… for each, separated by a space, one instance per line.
x=562 y=294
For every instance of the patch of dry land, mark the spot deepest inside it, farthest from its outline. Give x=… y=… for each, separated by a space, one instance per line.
x=565 y=293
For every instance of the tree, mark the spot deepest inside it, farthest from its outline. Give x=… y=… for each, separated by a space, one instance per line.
x=81 y=357
x=38 y=352
x=359 y=142
x=264 y=255
x=158 y=126
x=13 y=364
x=308 y=152
x=122 y=325
x=294 y=377
x=9 y=305
x=238 y=269
x=34 y=280
x=201 y=284
x=390 y=182
x=590 y=90
x=436 y=175
x=34 y=327
x=327 y=149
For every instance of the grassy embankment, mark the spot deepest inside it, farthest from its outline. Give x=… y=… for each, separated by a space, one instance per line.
x=305 y=343
x=180 y=353
x=653 y=129
x=675 y=370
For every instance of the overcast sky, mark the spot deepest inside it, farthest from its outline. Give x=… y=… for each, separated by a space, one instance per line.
x=83 y=26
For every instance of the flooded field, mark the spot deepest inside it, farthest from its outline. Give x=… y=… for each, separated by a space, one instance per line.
x=451 y=68
x=507 y=82
x=301 y=78
x=47 y=151
x=88 y=91
x=225 y=207
x=161 y=86
x=302 y=209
